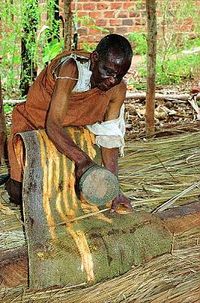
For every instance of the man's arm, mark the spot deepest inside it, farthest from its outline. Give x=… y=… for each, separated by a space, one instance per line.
x=110 y=155
x=56 y=114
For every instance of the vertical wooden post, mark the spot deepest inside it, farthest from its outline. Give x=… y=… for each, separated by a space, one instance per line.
x=2 y=127
x=151 y=65
x=67 y=25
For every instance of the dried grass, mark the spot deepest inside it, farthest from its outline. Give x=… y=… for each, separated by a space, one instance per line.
x=170 y=278
x=151 y=173
x=155 y=171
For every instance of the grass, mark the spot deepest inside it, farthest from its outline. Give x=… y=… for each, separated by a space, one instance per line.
x=175 y=70
x=176 y=67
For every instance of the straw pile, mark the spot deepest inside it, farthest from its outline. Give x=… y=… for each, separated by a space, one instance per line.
x=11 y=226
x=171 y=278
x=151 y=173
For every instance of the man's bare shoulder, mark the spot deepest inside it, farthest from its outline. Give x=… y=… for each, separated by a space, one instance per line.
x=68 y=68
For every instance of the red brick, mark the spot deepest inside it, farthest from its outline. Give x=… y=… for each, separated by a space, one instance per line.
x=109 y=14
x=103 y=6
x=116 y=5
x=92 y=31
x=95 y=15
x=110 y=29
x=138 y=28
x=186 y=27
x=115 y=22
x=91 y=38
x=82 y=14
x=101 y=22
x=122 y=14
x=72 y=6
x=134 y=14
x=122 y=30
x=89 y=6
x=128 y=5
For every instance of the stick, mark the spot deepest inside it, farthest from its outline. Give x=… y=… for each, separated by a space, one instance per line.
x=84 y=216
x=171 y=201
x=159 y=96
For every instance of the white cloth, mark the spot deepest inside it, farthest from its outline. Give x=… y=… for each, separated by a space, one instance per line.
x=84 y=73
x=109 y=134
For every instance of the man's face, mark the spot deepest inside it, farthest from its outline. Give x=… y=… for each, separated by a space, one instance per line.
x=108 y=72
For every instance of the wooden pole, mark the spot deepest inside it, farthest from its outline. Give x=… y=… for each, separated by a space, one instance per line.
x=67 y=25
x=151 y=66
x=2 y=127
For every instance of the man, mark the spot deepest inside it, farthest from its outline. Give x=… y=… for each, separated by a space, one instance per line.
x=75 y=89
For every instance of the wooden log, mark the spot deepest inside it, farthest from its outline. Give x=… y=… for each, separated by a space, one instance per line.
x=182 y=218
x=179 y=220
x=159 y=96
x=136 y=95
x=14 y=267
x=97 y=247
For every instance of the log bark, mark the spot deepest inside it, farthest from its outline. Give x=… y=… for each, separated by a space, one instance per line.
x=151 y=66
x=14 y=264
x=181 y=218
x=97 y=247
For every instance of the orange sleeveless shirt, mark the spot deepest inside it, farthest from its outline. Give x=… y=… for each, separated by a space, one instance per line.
x=83 y=108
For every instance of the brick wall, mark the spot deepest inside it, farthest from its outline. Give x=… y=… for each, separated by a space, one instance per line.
x=120 y=16
x=115 y=16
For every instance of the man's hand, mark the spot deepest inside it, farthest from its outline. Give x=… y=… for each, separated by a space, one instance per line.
x=121 y=199
x=83 y=166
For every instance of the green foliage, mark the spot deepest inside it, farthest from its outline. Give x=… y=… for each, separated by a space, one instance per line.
x=41 y=41
x=191 y=43
x=139 y=42
x=177 y=60
x=7 y=108
x=9 y=49
x=21 y=20
x=175 y=70
x=51 y=50
x=88 y=47
x=44 y=44
x=88 y=22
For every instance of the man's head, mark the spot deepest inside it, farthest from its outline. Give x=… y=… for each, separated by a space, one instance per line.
x=110 y=61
